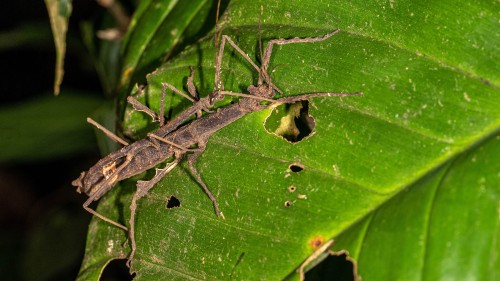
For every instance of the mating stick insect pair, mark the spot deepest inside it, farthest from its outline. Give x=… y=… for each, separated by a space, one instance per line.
x=172 y=140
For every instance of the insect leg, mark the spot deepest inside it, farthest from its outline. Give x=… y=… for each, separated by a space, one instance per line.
x=142 y=189
x=230 y=93
x=191 y=158
x=192 y=90
x=107 y=132
x=312 y=95
x=269 y=47
x=190 y=84
x=218 y=81
x=162 y=106
x=137 y=106
x=262 y=72
x=177 y=91
x=140 y=107
x=184 y=149
x=88 y=209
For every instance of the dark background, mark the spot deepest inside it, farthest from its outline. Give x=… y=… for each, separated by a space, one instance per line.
x=43 y=227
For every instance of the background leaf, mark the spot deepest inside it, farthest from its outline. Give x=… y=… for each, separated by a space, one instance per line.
x=158 y=28
x=431 y=94
x=59 y=12
x=47 y=127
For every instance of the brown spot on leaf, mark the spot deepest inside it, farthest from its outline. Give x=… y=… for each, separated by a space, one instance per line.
x=127 y=74
x=316 y=242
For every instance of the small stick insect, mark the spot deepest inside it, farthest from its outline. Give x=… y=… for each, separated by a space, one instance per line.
x=173 y=140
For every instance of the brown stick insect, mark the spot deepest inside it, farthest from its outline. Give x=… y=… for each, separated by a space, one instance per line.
x=175 y=141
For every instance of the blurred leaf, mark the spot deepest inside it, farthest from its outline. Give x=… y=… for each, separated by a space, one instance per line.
x=157 y=27
x=431 y=95
x=31 y=35
x=59 y=12
x=47 y=127
x=105 y=56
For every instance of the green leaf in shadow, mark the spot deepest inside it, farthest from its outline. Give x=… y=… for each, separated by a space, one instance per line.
x=158 y=27
x=47 y=127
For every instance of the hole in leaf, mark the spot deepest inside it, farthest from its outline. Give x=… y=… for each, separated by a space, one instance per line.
x=173 y=202
x=288 y=203
x=296 y=167
x=334 y=267
x=292 y=188
x=116 y=270
x=291 y=121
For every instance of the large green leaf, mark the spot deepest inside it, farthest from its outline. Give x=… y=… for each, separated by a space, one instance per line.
x=445 y=226
x=387 y=173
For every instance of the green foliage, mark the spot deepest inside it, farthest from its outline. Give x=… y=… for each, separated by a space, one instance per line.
x=404 y=177
x=47 y=127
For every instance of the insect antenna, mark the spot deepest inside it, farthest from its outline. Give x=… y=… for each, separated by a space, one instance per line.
x=216 y=26
x=217 y=82
x=263 y=75
x=260 y=31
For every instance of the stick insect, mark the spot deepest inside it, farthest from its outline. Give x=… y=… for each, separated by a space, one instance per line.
x=174 y=141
